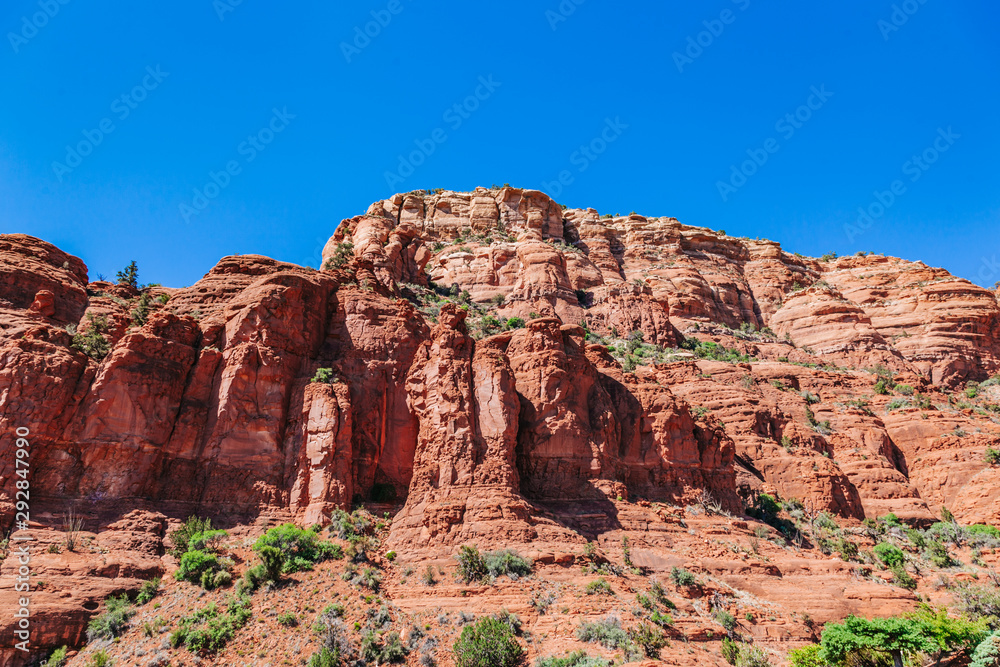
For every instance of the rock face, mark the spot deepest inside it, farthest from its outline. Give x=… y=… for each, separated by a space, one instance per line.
x=486 y=362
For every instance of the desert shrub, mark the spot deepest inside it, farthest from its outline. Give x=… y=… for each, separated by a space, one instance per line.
x=807 y=656
x=471 y=566
x=182 y=536
x=682 y=577
x=342 y=254
x=334 y=635
x=575 y=659
x=324 y=376
x=987 y=654
x=902 y=578
x=207 y=540
x=730 y=650
x=542 y=601
x=979 y=602
x=208 y=631
x=324 y=658
x=982 y=529
x=607 y=632
x=992 y=456
x=725 y=619
x=347 y=525
x=937 y=553
x=489 y=643
x=506 y=562
x=299 y=548
x=890 y=555
x=99 y=659
x=514 y=323
x=599 y=587
x=148 y=591
x=57 y=659
x=370 y=579
x=92 y=342
x=648 y=638
x=196 y=566
x=288 y=619
x=659 y=594
x=113 y=621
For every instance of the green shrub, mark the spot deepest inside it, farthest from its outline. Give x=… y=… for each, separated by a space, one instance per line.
x=725 y=619
x=682 y=577
x=148 y=591
x=288 y=619
x=607 y=632
x=506 y=562
x=345 y=526
x=323 y=376
x=325 y=658
x=902 y=578
x=99 y=659
x=730 y=650
x=937 y=553
x=984 y=530
x=182 y=536
x=807 y=656
x=298 y=549
x=57 y=659
x=979 y=602
x=599 y=587
x=890 y=555
x=514 y=323
x=471 y=566
x=904 y=389
x=342 y=254
x=194 y=564
x=207 y=540
x=92 y=342
x=208 y=631
x=488 y=643
x=987 y=654
x=992 y=456
x=575 y=659
x=649 y=638
x=113 y=621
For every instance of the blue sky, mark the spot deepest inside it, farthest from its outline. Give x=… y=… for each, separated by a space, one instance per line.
x=667 y=99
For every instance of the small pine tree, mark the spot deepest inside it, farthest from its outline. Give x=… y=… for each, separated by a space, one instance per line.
x=129 y=276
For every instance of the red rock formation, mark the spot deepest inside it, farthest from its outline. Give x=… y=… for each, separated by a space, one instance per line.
x=482 y=429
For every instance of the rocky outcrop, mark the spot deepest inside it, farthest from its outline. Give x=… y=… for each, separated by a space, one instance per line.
x=531 y=381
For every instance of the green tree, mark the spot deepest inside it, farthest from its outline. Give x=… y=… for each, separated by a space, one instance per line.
x=926 y=631
x=129 y=276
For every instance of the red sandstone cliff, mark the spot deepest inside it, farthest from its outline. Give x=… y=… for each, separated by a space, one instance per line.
x=482 y=429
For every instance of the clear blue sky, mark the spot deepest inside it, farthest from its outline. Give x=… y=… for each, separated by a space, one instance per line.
x=555 y=85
